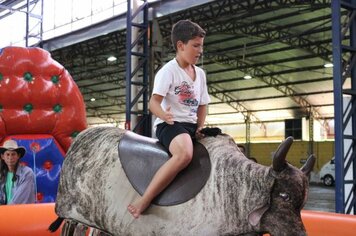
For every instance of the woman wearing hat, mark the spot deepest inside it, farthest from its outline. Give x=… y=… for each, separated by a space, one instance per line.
x=17 y=182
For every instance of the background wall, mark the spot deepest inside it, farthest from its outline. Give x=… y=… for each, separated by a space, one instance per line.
x=323 y=151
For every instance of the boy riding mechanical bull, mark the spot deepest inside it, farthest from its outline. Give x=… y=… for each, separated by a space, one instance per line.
x=107 y=168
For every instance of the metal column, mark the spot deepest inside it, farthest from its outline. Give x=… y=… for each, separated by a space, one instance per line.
x=30 y=17
x=137 y=49
x=248 y=134
x=311 y=134
x=344 y=49
x=34 y=18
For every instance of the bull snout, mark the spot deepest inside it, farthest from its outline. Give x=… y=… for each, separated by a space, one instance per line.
x=288 y=224
x=289 y=232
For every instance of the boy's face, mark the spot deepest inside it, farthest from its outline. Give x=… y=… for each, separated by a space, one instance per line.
x=192 y=51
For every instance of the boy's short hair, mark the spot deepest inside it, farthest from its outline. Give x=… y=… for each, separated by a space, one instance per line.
x=185 y=30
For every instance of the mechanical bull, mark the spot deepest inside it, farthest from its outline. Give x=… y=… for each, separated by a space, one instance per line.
x=239 y=197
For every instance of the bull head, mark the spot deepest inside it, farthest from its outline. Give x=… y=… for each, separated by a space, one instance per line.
x=288 y=196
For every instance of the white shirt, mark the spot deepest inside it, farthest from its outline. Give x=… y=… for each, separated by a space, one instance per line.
x=180 y=92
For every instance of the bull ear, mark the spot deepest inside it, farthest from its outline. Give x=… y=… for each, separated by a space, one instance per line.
x=279 y=159
x=255 y=216
x=309 y=165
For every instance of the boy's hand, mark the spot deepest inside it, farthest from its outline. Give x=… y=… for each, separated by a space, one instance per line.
x=168 y=116
x=198 y=134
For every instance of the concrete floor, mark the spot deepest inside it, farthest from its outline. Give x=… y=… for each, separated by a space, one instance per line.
x=321 y=198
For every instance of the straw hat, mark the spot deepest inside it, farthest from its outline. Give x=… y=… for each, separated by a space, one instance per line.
x=12 y=146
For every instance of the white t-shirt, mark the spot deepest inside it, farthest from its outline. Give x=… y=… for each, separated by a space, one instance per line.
x=180 y=92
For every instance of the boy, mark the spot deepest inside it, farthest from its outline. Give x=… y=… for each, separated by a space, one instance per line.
x=179 y=101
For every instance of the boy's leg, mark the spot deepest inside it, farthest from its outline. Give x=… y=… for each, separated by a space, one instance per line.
x=181 y=149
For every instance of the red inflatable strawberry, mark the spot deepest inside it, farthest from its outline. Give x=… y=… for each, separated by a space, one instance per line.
x=38 y=96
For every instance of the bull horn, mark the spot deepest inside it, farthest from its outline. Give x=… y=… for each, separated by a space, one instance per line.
x=279 y=158
x=309 y=165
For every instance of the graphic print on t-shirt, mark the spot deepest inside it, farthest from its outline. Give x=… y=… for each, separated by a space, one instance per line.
x=186 y=96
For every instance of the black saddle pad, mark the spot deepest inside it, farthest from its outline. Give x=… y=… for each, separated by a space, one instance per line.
x=141 y=157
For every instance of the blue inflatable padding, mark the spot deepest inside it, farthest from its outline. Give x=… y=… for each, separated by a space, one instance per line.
x=45 y=158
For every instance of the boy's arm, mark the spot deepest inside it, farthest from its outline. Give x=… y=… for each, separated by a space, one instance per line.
x=156 y=109
x=201 y=114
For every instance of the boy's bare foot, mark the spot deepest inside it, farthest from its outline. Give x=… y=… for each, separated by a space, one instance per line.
x=137 y=208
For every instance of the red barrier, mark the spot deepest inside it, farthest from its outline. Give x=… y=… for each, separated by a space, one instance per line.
x=34 y=219
x=27 y=219
x=319 y=223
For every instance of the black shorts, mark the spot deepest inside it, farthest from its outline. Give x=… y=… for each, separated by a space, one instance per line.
x=166 y=133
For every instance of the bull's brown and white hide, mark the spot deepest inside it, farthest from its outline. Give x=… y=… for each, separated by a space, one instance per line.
x=94 y=190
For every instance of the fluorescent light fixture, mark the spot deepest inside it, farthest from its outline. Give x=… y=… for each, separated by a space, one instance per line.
x=328 y=65
x=247 y=77
x=92 y=99
x=112 y=58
